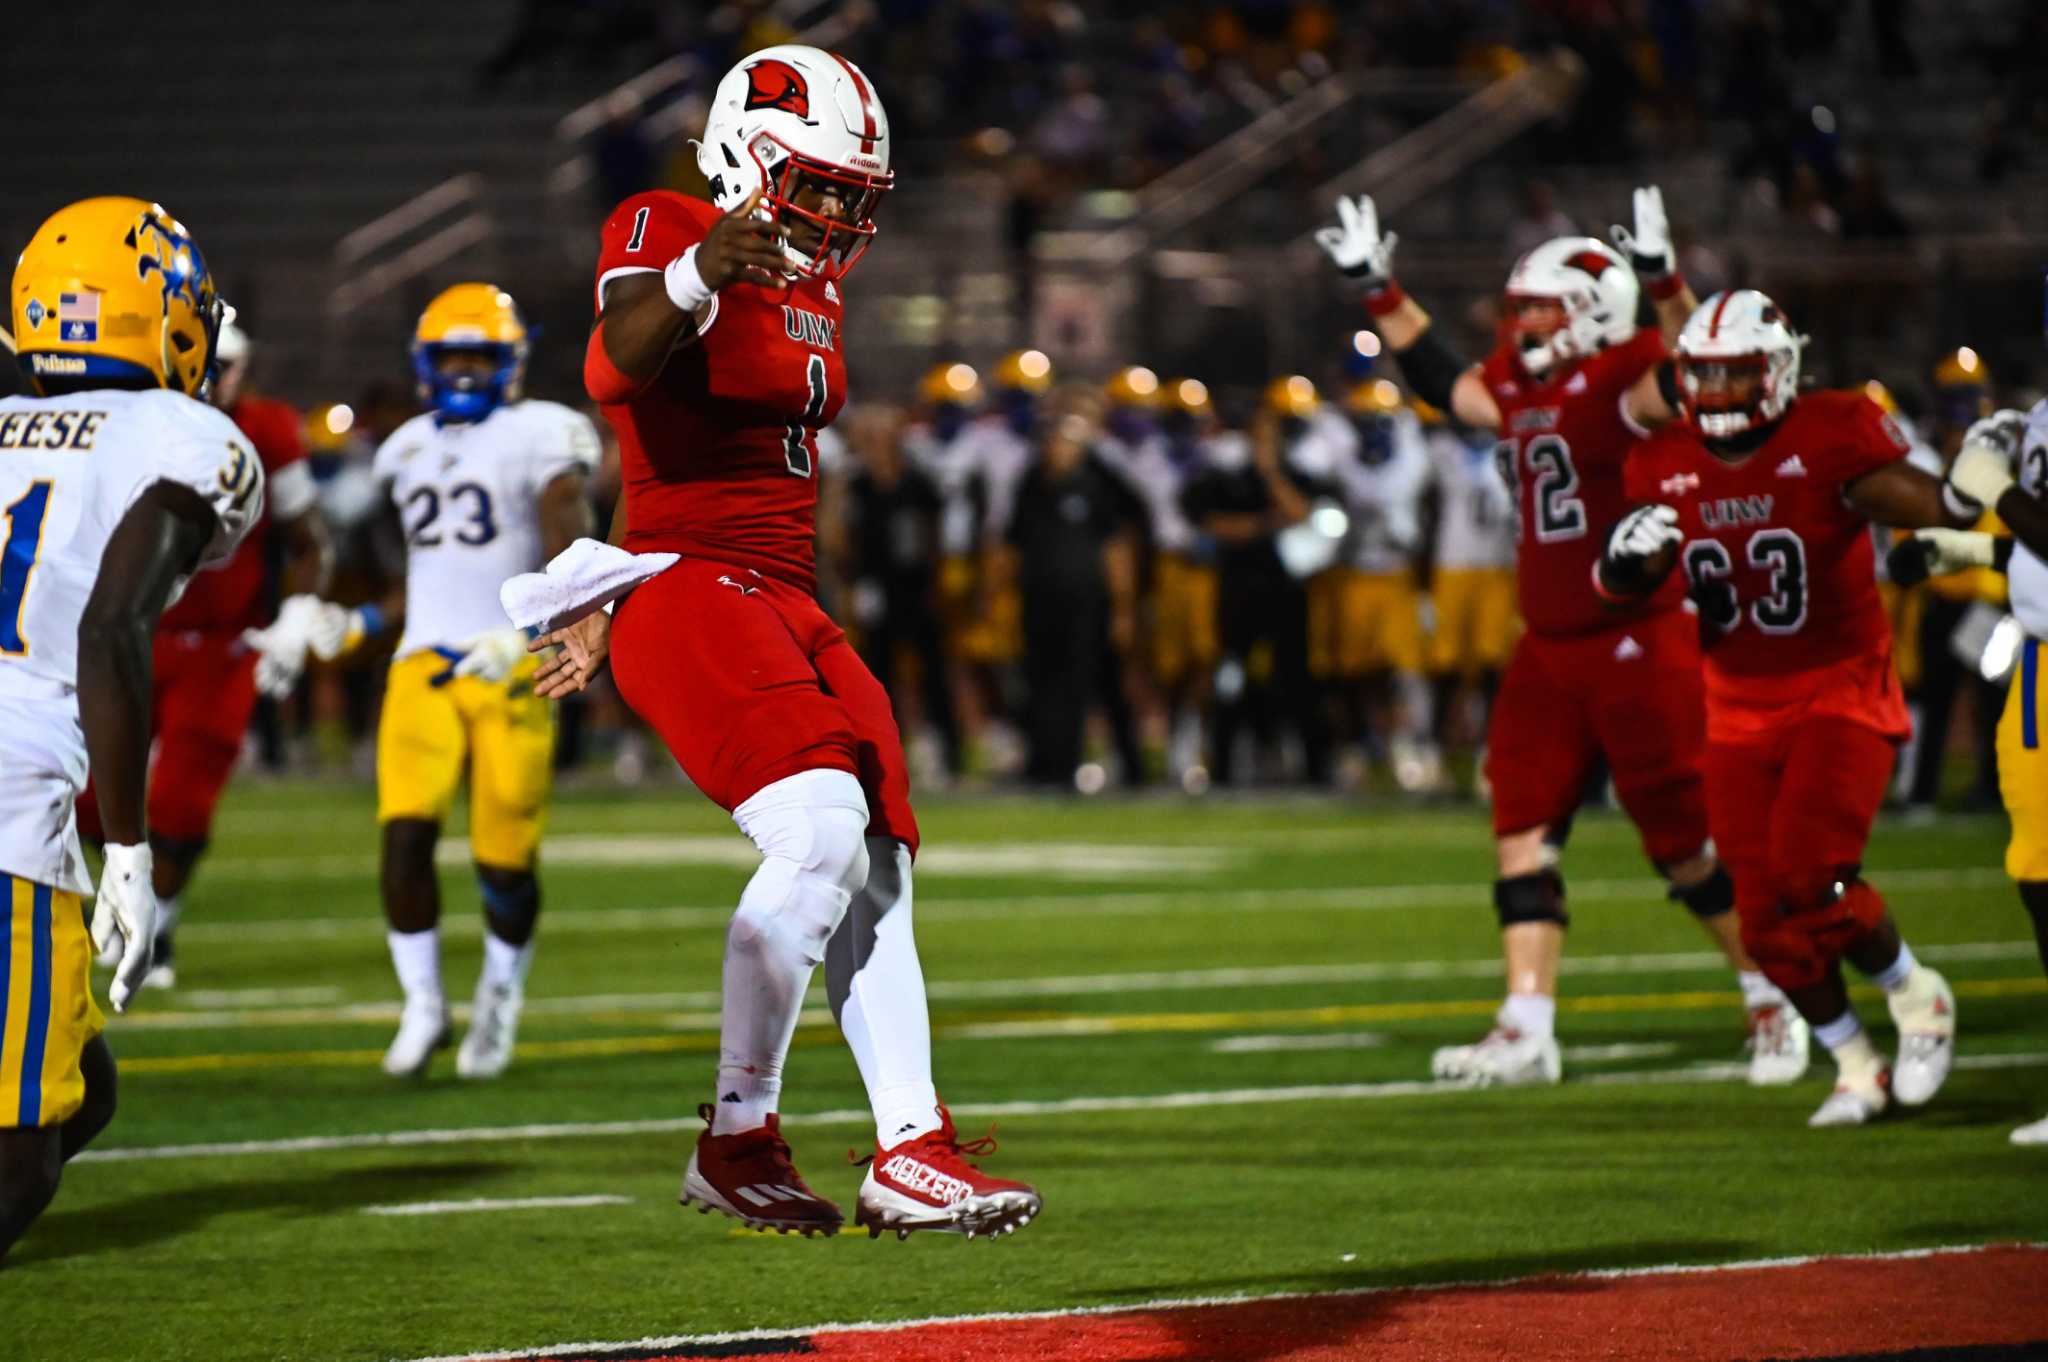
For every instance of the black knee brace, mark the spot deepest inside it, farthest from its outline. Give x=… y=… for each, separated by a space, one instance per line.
x=1711 y=897
x=1531 y=898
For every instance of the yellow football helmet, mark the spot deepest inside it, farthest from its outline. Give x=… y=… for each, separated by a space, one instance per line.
x=1878 y=393
x=114 y=291
x=1134 y=386
x=954 y=384
x=470 y=317
x=1962 y=368
x=1374 y=397
x=326 y=427
x=1023 y=371
x=1291 y=396
x=1190 y=396
x=1425 y=413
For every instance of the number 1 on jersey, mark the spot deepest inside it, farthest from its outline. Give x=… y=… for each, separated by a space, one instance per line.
x=795 y=453
x=17 y=560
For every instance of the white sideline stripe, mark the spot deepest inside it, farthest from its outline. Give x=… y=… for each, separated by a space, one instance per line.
x=1072 y=1106
x=1203 y=1302
x=700 y=1009
x=1264 y=1045
x=253 y=997
x=1595 y=1054
x=1127 y=903
x=523 y=1203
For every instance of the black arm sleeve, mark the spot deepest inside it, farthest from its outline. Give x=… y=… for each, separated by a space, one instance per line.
x=1667 y=385
x=1431 y=368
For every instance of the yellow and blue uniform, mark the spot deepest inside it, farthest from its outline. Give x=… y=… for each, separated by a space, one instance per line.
x=2023 y=726
x=47 y=1012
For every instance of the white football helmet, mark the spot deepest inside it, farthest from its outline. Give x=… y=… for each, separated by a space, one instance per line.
x=231 y=365
x=805 y=127
x=1591 y=282
x=1738 y=364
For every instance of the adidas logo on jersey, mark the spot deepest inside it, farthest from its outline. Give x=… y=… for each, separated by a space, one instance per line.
x=1628 y=650
x=831 y=292
x=1792 y=468
x=1577 y=384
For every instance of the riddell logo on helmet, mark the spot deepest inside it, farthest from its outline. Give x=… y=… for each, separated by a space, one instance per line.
x=776 y=84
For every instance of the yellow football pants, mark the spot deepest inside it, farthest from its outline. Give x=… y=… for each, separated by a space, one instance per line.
x=504 y=732
x=47 y=1012
x=2023 y=765
x=1476 y=626
x=1363 y=622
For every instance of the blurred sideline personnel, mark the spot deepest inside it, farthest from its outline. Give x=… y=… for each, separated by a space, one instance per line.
x=1996 y=448
x=1571 y=387
x=717 y=357
x=1365 y=614
x=1181 y=619
x=210 y=658
x=116 y=485
x=1962 y=397
x=487 y=483
x=1470 y=520
x=1766 y=498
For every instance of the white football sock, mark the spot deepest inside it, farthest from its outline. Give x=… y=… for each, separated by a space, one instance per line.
x=1757 y=991
x=1532 y=1014
x=505 y=964
x=1899 y=973
x=1845 y=1030
x=877 y=988
x=417 y=958
x=809 y=828
x=168 y=911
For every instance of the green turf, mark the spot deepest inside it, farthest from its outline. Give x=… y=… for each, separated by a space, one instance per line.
x=269 y=1255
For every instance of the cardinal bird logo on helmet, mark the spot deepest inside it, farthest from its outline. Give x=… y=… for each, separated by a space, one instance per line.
x=1592 y=262
x=776 y=84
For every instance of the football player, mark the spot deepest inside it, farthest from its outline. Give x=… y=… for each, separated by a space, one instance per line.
x=718 y=355
x=1765 y=498
x=214 y=653
x=116 y=484
x=1573 y=384
x=1993 y=451
x=486 y=484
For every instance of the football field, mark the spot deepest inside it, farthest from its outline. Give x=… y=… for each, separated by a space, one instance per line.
x=1202 y=1029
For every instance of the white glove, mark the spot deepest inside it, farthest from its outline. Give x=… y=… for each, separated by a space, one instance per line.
x=1644 y=532
x=1939 y=552
x=1356 y=244
x=125 y=913
x=492 y=656
x=2001 y=430
x=1648 y=247
x=1982 y=471
x=281 y=648
x=332 y=630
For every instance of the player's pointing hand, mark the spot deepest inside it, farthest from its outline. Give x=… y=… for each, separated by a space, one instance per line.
x=741 y=248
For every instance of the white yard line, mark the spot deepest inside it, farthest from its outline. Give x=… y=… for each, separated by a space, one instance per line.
x=200 y=1011
x=524 y=1203
x=1170 y=1101
x=1115 y=903
x=1266 y=1045
x=680 y=1341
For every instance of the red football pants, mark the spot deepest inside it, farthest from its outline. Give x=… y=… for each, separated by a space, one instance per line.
x=1632 y=693
x=204 y=693
x=748 y=682
x=1791 y=817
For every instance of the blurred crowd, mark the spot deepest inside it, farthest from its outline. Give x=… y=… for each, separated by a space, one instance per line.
x=1140 y=580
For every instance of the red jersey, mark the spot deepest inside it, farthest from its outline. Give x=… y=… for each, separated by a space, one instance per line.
x=232 y=596
x=719 y=453
x=1563 y=445
x=1778 y=527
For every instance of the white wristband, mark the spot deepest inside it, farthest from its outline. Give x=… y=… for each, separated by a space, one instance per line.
x=1959 y=505
x=686 y=288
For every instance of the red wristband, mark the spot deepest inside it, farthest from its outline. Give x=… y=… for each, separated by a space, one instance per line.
x=1381 y=301
x=1666 y=287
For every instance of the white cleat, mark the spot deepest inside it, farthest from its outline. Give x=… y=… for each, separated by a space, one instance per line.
x=422 y=1029
x=1925 y=1013
x=1856 y=1100
x=1505 y=1058
x=2037 y=1133
x=1780 y=1044
x=493 y=1026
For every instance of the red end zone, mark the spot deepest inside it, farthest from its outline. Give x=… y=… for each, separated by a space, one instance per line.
x=1976 y=1305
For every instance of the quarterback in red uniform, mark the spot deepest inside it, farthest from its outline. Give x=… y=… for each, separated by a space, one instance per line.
x=1572 y=386
x=1768 y=497
x=211 y=650
x=717 y=357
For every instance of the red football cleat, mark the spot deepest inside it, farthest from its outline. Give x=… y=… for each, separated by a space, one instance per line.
x=926 y=1183
x=749 y=1177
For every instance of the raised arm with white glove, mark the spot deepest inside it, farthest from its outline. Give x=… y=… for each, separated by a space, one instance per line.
x=1357 y=246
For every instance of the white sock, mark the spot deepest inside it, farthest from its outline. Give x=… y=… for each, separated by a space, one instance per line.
x=1532 y=1014
x=1846 y=1029
x=809 y=828
x=1899 y=973
x=505 y=964
x=417 y=958
x=877 y=987
x=1857 y=1057
x=1757 y=991
x=168 y=911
